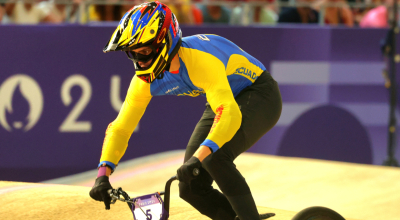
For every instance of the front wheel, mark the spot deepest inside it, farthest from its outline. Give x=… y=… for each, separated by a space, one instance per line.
x=317 y=213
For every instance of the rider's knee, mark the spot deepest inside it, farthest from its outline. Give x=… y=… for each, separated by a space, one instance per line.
x=224 y=172
x=217 y=163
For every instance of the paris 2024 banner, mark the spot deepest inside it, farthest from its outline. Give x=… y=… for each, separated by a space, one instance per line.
x=59 y=92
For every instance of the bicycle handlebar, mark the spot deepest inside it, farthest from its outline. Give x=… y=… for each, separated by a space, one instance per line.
x=115 y=194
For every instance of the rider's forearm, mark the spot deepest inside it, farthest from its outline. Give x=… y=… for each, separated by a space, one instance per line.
x=212 y=78
x=202 y=152
x=108 y=171
x=227 y=121
x=104 y=171
x=119 y=131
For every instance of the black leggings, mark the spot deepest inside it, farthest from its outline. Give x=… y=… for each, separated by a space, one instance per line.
x=261 y=107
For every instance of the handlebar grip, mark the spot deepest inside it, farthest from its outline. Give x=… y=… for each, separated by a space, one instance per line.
x=196 y=171
x=109 y=191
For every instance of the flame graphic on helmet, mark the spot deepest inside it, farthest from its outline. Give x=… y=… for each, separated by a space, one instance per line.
x=30 y=90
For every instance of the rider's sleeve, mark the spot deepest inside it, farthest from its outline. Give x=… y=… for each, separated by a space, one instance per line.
x=208 y=73
x=121 y=129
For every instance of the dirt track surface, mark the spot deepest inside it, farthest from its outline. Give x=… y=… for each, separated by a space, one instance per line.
x=355 y=191
x=43 y=201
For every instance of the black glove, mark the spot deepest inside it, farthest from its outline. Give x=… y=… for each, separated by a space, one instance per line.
x=99 y=191
x=189 y=170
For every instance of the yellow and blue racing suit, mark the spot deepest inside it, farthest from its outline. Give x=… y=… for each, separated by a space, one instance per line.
x=211 y=66
x=244 y=103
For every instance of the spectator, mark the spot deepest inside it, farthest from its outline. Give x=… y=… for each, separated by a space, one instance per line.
x=128 y=4
x=336 y=15
x=299 y=14
x=215 y=13
x=185 y=12
x=2 y=11
x=108 y=12
x=375 y=18
x=378 y=17
x=359 y=12
x=61 y=12
x=30 y=13
x=181 y=9
x=247 y=14
x=197 y=14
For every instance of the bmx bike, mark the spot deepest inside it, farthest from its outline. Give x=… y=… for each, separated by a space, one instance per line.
x=153 y=207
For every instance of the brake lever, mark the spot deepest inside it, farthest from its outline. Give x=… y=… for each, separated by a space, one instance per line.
x=113 y=194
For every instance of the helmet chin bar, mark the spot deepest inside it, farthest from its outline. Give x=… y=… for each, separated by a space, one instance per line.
x=156 y=67
x=164 y=64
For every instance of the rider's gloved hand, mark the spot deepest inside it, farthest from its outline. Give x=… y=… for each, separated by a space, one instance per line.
x=99 y=190
x=189 y=170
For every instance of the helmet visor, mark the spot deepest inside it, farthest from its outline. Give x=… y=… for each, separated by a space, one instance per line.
x=153 y=56
x=137 y=57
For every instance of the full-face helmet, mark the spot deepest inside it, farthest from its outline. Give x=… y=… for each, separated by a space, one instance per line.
x=150 y=24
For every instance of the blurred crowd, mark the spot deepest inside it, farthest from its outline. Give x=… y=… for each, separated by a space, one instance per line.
x=371 y=13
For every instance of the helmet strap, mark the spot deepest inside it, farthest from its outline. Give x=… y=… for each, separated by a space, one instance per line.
x=173 y=53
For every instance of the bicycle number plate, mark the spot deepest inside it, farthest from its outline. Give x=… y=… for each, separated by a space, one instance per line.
x=149 y=207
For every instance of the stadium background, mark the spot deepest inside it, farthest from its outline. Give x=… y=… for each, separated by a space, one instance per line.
x=335 y=105
x=59 y=91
